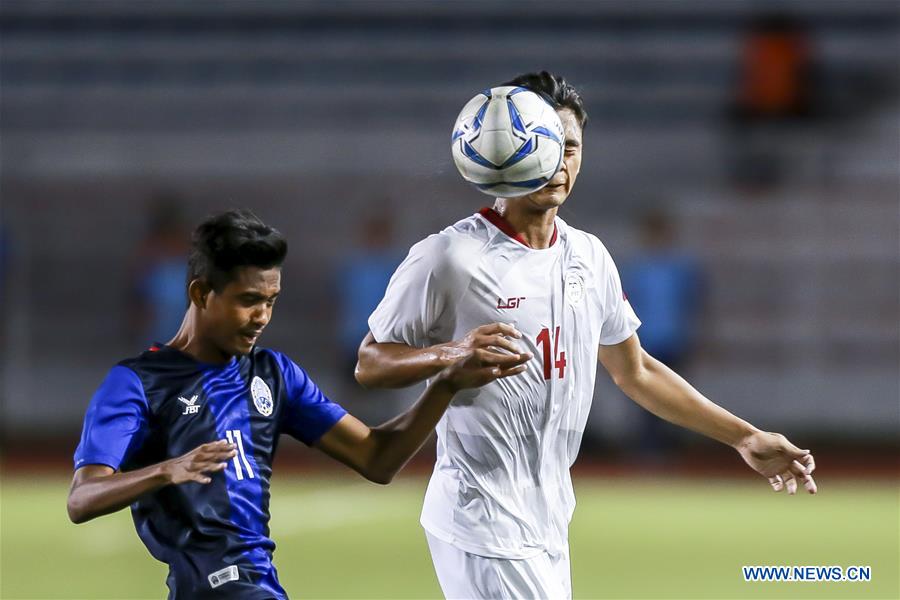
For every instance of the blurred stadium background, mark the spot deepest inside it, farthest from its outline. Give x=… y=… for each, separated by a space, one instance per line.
x=754 y=142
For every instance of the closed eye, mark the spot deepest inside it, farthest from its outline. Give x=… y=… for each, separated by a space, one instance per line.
x=254 y=299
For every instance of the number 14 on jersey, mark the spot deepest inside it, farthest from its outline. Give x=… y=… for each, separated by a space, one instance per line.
x=557 y=359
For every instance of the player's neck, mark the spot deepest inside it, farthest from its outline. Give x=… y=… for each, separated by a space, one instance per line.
x=535 y=226
x=189 y=341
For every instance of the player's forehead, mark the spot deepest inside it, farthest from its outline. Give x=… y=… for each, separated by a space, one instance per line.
x=570 y=124
x=266 y=282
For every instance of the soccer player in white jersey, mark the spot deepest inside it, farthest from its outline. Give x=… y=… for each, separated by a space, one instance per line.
x=518 y=278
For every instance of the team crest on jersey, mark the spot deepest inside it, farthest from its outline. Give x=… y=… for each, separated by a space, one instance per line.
x=574 y=288
x=262 y=396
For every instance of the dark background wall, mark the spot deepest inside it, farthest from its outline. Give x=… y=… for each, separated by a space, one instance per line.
x=319 y=116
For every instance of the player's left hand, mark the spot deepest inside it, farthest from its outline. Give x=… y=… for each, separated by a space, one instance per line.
x=774 y=457
x=482 y=367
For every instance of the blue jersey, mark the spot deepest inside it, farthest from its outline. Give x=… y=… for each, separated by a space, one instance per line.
x=163 y=404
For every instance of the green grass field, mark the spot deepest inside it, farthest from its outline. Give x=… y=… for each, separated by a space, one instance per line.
x=343 y=538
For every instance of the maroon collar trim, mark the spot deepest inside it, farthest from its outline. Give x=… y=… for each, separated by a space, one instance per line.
x=498 y=221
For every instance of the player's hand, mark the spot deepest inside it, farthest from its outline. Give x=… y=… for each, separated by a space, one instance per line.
x=482 y=367
x=197 y=464
x=778 y=460
x=495 y=338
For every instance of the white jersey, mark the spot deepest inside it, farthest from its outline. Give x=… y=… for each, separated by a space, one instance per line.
x=501 y=485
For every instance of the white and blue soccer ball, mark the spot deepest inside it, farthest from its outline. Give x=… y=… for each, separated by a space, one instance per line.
x=508 y=141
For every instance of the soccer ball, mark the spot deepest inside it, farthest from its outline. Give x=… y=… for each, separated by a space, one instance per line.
x=508 y=141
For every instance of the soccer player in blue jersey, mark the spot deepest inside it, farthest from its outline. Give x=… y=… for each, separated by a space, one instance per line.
x=185 y=433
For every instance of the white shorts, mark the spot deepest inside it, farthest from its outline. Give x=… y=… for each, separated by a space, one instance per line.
x=467 y=576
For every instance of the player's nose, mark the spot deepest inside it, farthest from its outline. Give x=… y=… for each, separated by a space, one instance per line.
x=260 y=318
x=562 y=175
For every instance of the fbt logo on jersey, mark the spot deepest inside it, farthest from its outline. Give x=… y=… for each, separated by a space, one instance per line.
x=509 y=302
x=190 y=406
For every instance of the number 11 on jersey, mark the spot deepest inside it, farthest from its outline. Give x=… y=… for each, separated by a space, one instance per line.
x=234 y=437
x=558 y=358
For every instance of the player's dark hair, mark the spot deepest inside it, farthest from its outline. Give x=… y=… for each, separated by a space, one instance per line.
x=555 y=90
x=229 y=240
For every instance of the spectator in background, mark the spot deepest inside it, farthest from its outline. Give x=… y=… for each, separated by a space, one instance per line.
x=157 y=298
x=664 y=285
x=774 y=87
x=362 y=279
x=775 y=70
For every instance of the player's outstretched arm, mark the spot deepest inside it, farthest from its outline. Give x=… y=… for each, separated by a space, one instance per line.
x=379 y=453
x=392 y=365
x=99 y=490
x=663 y=392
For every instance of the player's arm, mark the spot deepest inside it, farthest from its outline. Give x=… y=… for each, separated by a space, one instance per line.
x=378 y=453
x=394 y=365
x=99 y=489
x=663 y=392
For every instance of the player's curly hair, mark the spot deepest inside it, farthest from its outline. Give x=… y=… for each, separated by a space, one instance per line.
x=555 y=90
x=236 y=238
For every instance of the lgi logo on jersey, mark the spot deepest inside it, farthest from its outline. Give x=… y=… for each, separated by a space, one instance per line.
x=509 y=303
x=190 y=406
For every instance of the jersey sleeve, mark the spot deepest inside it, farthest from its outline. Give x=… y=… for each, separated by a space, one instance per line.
x=416 y=297
x=116 y=421
x=620 y=320
x=308 y=413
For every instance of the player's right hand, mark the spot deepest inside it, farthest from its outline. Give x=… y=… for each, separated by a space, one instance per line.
x=197 y=464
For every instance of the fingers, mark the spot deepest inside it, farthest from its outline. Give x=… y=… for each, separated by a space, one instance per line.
x=200 y=471
x=205 y=458
x=793 y=450
x=498 y=341
x=210 y=458
x=499 y=328
x=211 y=464
x=489 y=374
x=789 y=483
x=796 y=463
x=213 y=445
x=200 y=463
x=220 y=455
x=810 y=484
x=217 y=448
x=809 y=462
x=776 y=482
x=504 y=361
x=220 y=449
x=802 y=473
x=510 y=372
x=201 y=478
x=796 y=472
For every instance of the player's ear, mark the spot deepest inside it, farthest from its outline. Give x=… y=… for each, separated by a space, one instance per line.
x=198 y=292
